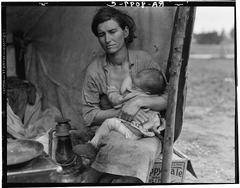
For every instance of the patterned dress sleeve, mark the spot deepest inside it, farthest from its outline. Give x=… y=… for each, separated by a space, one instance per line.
x=90 y=100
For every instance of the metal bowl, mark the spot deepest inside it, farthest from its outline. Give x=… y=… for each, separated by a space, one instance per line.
x=21 y=151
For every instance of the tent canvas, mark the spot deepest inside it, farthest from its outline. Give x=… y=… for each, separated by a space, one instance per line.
x=59 y=45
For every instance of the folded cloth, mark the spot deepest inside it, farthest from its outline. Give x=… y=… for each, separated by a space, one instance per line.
x=16 y=128
x=14 y=124
x=121 y=156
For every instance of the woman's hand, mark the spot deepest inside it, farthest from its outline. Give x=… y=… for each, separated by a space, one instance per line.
x=142 y=116
x=130 y=109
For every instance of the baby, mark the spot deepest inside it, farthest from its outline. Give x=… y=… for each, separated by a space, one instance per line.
x=146 y=82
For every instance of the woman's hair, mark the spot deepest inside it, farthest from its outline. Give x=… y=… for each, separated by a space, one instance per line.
x=151 y=80
x=107 y=13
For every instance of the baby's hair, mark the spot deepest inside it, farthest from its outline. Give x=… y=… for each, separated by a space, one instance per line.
x=152 y=81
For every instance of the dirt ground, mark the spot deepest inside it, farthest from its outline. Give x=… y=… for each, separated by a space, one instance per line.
x=208 y=134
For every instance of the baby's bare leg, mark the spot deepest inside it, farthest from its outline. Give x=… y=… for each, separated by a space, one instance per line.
x=112 y=124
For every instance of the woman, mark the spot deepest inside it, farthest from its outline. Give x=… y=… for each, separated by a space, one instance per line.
x=131 y=160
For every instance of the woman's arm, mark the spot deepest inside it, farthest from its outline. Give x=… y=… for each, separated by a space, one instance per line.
x=156 y=103
x=131 y=107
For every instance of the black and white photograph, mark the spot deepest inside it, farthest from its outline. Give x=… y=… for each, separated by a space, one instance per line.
x=119 y=93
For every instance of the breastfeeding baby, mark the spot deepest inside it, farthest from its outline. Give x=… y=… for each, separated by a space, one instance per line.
x=146 y=82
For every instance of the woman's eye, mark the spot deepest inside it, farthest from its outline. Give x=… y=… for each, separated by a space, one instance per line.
x=113 y=31
x=100 y=34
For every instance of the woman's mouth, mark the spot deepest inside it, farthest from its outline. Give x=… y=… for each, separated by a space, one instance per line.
x=109 y=46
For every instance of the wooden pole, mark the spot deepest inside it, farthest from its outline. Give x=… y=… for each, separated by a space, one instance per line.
x=180 y=22
x=182 y=84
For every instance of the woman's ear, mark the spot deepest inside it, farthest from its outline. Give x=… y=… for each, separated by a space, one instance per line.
x=126 y=32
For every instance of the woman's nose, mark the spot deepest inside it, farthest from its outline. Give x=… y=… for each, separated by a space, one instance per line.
x=107 y=38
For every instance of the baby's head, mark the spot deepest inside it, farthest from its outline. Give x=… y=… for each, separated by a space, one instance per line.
x=150 y=81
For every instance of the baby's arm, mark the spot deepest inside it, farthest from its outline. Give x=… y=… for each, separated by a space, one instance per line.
x=126 y=85
x=115 y=96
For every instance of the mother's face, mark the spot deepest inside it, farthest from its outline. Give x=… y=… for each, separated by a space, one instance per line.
x=111 y=36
